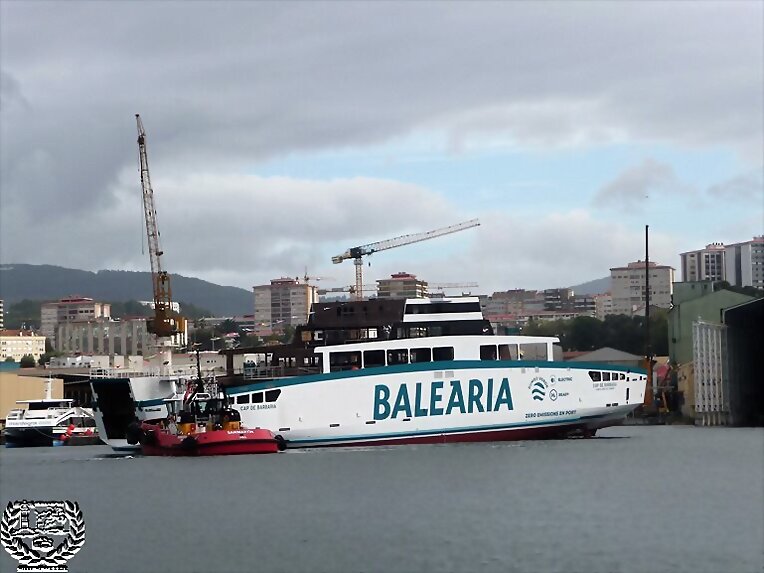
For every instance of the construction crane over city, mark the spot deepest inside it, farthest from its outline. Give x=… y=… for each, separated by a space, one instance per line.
x=357 y=253
x=164 y=323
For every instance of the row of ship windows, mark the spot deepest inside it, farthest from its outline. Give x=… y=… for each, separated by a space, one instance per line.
x=258 y=397
x=606 y=376
x=351 y=360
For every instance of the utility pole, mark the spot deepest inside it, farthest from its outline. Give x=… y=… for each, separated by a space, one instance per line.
x=648 y=346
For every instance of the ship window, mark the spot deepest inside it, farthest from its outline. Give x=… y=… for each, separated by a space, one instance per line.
x=421 y=355
x=399 y=356
x=435 y=330
x=622 y=376
x=533 y=351
x=504 y=353
x=605 y=376
x=272 y=395
x=257 y=398
x=372 y=358
x=595 y=376
x=488 y=352
x=243 y=399
x=417 y=332
x=443 y=353
x=339 y=361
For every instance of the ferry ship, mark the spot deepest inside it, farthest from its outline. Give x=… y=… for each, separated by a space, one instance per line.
x=49 y=421
x=430 y=371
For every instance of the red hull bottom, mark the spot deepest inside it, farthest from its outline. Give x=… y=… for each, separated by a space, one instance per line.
x=214 y=443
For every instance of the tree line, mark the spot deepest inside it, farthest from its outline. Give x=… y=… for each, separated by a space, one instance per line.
x=625 y=333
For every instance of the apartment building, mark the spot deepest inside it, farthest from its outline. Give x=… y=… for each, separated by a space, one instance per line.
x=559 y=299
x=285 y=301
x=603 y=305
x=628 y=287
x=18 y=343
x=2 y=315
x=512 y=302
x=401 y=285
x=69 y=309
x=704 y=264
x=744 y=263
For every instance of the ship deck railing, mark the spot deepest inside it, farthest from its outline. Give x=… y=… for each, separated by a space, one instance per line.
x=271 y=372
x=122 y=373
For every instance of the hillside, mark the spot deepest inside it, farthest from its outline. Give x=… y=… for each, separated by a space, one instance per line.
x=48 y=282
x=596 y=286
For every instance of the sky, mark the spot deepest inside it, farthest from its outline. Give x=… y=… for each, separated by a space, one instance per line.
x=281 y=134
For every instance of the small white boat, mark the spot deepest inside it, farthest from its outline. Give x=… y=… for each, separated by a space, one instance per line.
x=48 y=422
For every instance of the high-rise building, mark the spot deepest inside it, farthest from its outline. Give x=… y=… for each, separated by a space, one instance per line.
x=628 y=287
x=401 y=285
x=705 y=264
x=2 y=315
x=69 y=309
x=744 y=263
x=285 y=301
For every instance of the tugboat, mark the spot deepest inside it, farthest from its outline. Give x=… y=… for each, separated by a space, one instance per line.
x=200 y=424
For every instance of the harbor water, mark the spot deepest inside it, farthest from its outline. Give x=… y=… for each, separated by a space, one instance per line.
x=634 y=499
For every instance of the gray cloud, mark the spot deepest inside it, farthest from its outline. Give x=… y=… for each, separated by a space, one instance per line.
x=225 y=86
x=633 y=186
x=747 y=186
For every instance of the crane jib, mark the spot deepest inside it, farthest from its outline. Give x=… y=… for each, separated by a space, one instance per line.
x=163 y=324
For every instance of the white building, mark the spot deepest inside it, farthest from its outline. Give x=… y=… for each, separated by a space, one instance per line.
x=628 y=287
x=69 y=309
x=705 y=264
x=2 y=315
x=744 y=263
x=284 y=301
x=18 y=343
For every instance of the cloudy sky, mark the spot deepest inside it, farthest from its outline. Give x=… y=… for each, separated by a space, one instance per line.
x=281 y=134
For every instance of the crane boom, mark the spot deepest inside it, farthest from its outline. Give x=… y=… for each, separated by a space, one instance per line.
x=163 y=323
x=357 y=253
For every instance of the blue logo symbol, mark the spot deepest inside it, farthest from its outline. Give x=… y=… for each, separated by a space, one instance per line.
x=538 y=389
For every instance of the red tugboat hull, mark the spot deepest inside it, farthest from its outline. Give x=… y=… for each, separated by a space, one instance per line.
x=158 y=442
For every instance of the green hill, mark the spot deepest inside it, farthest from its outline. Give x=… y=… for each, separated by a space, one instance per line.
x=48 y=282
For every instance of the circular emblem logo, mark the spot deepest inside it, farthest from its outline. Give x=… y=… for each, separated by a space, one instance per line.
x=55 y=530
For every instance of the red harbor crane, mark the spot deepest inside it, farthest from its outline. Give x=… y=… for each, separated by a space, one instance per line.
x=164 y=323
x=357 y=253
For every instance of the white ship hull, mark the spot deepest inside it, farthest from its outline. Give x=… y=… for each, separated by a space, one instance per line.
x=431 y=403
x=418 y=403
